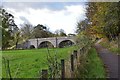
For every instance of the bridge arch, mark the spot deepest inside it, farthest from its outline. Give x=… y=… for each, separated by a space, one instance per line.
x=66 y=42
x=32 y=47
x=44 y=44
x=54 y=41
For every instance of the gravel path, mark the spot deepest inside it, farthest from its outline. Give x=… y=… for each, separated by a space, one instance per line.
x=110 y=60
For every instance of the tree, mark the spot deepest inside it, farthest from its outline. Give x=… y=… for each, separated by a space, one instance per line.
x=16 y=39
x=8 y=28
x=102 y=19
x=111 y=21
x=81 y=26
x=60 y=32
x=41 y=31
x=56 y=32
x=26 y=31
x=0 y=29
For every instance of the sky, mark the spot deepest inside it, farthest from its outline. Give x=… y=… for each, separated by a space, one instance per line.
x=54 y=15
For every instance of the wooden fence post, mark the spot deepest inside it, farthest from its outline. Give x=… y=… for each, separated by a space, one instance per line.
x=75 y=53
x=72 y=62
x=83 y=50
x=80 y=51
x=44 y=74
x=72 y=66
x=119 y=41
x=62 y=68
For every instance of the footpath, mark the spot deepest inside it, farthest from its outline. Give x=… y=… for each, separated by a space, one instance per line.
x=110 y=60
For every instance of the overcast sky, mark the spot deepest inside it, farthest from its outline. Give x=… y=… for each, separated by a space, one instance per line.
x=55 y=15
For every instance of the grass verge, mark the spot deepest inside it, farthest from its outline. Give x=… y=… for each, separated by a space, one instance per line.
x=111 y=45
x=91 y=65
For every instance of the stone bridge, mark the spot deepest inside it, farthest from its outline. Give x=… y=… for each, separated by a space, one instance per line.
x=55 y=41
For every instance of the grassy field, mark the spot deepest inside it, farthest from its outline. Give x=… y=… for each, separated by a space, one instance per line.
x=28 y=63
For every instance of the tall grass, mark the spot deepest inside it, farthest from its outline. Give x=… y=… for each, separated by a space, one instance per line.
x=91 y=65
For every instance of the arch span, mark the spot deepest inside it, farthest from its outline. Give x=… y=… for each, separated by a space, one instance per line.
x=65 y=43
x=55 y=41
x=45 y=44
x=32 y=47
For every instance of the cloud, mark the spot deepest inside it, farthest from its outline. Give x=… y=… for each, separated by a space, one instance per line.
x=20 y=6
x=24 y=19
x=65 y=18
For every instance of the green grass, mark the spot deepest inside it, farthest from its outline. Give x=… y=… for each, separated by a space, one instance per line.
x=30 y=62
x=95 y=66
x=91 y=65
